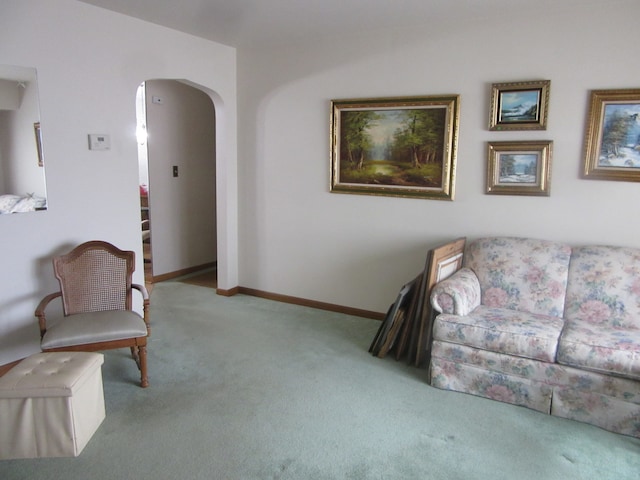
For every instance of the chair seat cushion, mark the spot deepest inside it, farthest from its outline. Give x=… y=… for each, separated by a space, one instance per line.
x=502 y=330
x=94 y=327
x=606 y=348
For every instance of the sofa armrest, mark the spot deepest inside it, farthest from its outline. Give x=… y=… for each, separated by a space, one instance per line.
x=459 y=294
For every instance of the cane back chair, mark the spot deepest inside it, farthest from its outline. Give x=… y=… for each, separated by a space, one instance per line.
x=96 y=292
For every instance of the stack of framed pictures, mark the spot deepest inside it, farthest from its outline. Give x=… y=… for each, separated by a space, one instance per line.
x=407 y=327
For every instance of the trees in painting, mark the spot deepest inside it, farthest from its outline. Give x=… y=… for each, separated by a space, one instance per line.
x=393 y=146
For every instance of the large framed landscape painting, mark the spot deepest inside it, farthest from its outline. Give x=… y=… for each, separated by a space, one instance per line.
x=612 y=140
x=404 y=146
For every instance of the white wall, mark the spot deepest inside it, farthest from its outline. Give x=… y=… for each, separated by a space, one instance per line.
x=298 y=239
x=182 y=209
x=90 y=63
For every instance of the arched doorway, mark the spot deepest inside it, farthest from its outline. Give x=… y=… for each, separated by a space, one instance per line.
x=177 y=164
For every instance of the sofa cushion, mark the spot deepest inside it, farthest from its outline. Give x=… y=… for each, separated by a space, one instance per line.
x=604 y=287
x=602 y=348
x=502 y=330
x=602 y=312
x=523 y=274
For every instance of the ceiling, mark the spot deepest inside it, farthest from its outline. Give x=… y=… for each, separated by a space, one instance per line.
x=263 y=22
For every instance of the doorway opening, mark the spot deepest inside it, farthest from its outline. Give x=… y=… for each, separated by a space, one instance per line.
x=176 y=130
x=143 y=176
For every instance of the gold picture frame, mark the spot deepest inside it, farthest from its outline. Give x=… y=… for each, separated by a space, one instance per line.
x=442 y=262
x=402 y=146
x=520 y=105
x=519 y=168
x=612 y=137
x=38 y=135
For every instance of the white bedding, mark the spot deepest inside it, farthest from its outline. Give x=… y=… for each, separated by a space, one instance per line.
x=10 y=203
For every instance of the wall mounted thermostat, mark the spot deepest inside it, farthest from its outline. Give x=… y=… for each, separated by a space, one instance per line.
x=98 y=141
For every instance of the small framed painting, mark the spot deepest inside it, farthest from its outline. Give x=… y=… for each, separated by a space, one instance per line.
x=403 y=146
x=519 y=168
x=519 y=105
x=612 y=140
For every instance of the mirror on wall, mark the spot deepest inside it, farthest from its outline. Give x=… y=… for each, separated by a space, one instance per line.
x=22 y=160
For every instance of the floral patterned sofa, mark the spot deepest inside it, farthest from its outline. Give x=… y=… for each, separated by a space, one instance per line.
x=544 y=325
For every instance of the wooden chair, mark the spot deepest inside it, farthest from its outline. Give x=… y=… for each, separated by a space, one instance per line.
x=95 y=288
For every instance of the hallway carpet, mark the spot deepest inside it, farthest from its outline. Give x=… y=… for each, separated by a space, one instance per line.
x=246 y=388
x=207 y=278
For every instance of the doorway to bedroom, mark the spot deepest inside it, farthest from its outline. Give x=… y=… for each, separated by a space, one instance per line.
x=177 y=156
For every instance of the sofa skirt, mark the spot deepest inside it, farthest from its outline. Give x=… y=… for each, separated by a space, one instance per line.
x=597 y=409
x=611 y=403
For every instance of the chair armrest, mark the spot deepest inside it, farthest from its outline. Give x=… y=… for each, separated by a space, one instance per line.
x=142 y=289
x=459 y=294
x=40 y=311
x=145 y=304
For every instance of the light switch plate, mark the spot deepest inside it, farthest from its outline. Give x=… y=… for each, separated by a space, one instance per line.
x=99 y=141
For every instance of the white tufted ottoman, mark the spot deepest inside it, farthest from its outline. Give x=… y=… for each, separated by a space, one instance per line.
x=51 y=404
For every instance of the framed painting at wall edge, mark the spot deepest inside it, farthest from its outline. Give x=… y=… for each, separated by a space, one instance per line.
x=519 y=105
x=397 y=146
x=519 y=168
x=38 y=134
x=612 y=138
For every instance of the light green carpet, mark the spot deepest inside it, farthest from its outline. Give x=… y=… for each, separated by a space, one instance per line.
x=247 y=388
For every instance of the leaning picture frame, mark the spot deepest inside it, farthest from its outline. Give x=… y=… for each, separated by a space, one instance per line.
x=519 y=168
x=402 y=146
x=612 y=136
x=519 y=105
x=442 y=262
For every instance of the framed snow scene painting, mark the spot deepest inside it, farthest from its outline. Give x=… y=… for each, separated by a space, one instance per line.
x=519 y=168
x=612 y=139
x=519 y=105
x=404 y=146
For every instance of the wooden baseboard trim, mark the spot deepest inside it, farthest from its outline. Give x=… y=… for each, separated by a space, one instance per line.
x=228 y=293
x=310 y=303
x=184 y=271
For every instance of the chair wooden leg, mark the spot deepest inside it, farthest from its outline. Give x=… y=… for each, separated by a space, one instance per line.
x=135 y=356
x=142 y=351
